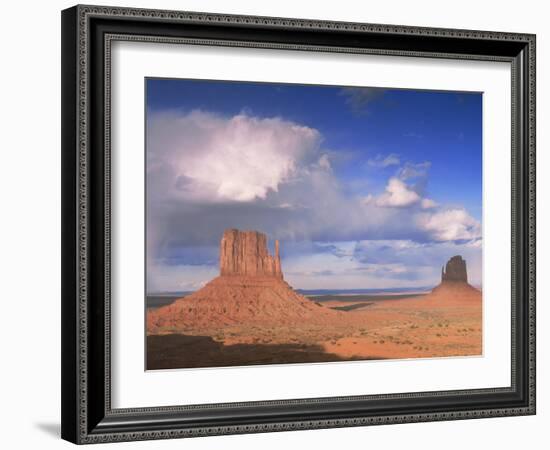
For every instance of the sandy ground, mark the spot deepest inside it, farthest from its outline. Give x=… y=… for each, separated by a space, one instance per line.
x=413 y=329
x=447 y=322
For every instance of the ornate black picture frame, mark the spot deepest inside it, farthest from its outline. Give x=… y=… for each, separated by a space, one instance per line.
x=87 y=34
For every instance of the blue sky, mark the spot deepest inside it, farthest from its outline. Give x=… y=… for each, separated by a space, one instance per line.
x=331 y=171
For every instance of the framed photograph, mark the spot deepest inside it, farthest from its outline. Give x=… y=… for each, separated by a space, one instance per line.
x=279 y=224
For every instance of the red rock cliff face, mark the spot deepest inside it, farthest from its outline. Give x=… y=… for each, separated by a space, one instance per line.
x=245 y=253
x=455 y=270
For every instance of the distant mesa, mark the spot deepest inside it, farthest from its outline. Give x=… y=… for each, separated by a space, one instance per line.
x=455 y=270
x=249 y=290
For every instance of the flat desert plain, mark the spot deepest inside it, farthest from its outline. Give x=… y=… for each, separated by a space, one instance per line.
x=447 y=322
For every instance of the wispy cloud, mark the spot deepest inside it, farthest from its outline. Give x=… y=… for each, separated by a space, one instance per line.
x=381 y=161
x=359 y=98
x=428 y=203
x=414 y=170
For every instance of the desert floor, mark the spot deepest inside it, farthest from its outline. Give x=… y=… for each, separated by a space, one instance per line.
x=439 y=324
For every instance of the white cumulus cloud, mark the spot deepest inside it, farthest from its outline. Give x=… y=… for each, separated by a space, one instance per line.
x=207 y=157
x=450 y=225
x=397 y=195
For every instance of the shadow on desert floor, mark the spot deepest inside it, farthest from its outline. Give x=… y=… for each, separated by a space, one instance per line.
x=182 y=351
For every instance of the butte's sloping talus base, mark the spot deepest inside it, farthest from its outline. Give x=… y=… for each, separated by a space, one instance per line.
x=250 y=290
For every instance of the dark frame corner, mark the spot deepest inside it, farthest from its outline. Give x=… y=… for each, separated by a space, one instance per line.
x=87 y=31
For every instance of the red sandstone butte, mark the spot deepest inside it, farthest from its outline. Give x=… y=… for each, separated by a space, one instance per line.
x=244 y=253
x=454 y=281
x=249 y=291
x=455 y=270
